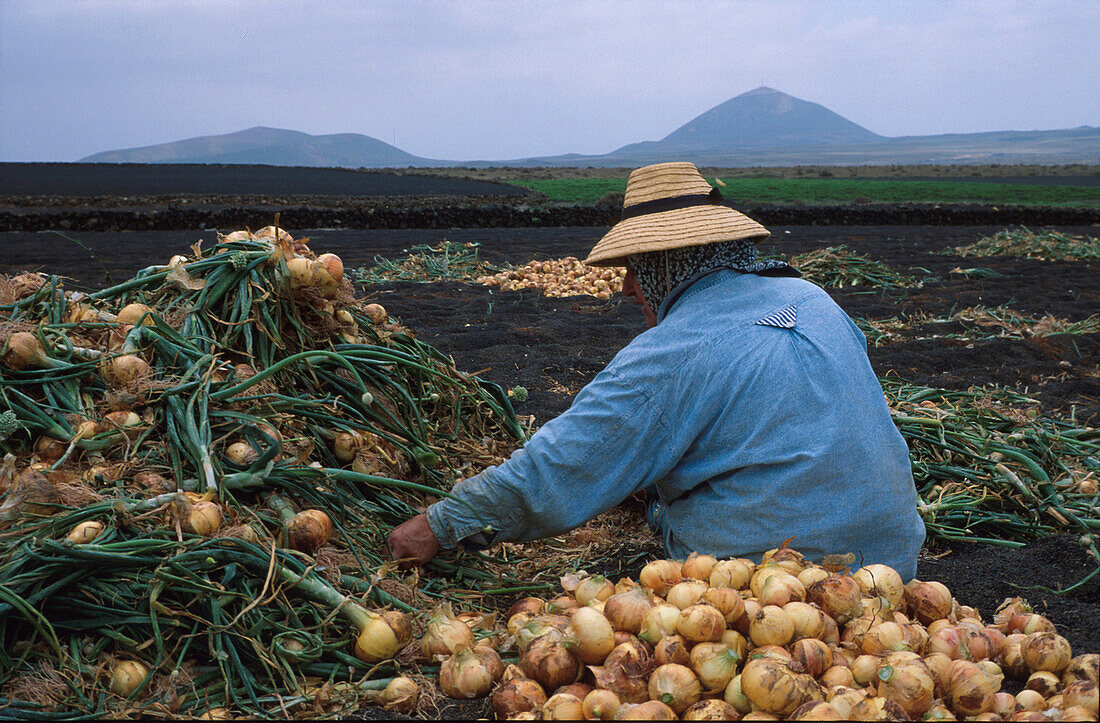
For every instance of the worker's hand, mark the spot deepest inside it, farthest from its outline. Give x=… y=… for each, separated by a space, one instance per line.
x=413 y=540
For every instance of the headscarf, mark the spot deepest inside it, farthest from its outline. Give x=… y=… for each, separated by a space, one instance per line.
x=659 y=273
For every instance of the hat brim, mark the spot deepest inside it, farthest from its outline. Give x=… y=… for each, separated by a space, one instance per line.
x=692 y=226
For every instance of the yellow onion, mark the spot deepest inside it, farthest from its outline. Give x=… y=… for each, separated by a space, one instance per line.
x=1082 y=667
x=241 y=453
x=928 y=601
x=659 y=621
x=771 y=626
x=204 y=518
x=734 y=574
x=775 y=652
x=301 y=272
x=267 y=232
x=333 y=266
x=1043 y=682
x=525 y=605
x=969 y=689
x=811 y=575
x=815 y=710
x=813 y=655
x=838 y=596
x=660 y=575
x=1002 y=704
x=1029 y=699
x=345 y=445
x=880 y=581
x=672 y=649
x=85 y=532
x=727 y=601
x=400 y=694
x=470 y=673
x=773 y=687
x=698 y=567
x=381 y=636
x=49 y=449
x=1077 y=712
x=713 y=709
x=883 y=639
x=126 y=676
x=1046 y=651
x=649 y=710
x=562 y=605
x=376 y=313
x=591 y=636
x=838 y=675
x=124 y=369
x=309 y=530
x=215 y=714
x=701 y=623
x=737 y=642
x=864 y=668
x=1083 y=693
x=780 y=589
x=136 y=314
x=445 y=635
x=600 y=704
x=22 y=350
x=735 y=697
x=674 y=685
x=563 y=706
x=594 y=587
x=520 y=694
x=549 y=662
x=907 y=682
x=1028 y=623
x=626 y=610
x=578 y=689
x=790 y=560
x=844 y=699
x=714 y=664
x=808 y=620
x=686 y=593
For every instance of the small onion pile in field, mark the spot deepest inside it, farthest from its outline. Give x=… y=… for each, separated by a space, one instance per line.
x=201 y=466
x=711 y=639
x=560 y=277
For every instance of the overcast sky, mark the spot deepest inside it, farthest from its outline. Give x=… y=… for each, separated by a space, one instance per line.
x=498 y=79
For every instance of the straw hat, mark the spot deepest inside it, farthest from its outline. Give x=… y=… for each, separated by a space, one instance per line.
x=669 y=206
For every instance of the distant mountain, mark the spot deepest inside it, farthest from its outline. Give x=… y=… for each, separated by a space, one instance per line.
x=273 y=147
x=763 y=127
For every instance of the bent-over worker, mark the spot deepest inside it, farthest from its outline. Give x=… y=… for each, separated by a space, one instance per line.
x=748 y=412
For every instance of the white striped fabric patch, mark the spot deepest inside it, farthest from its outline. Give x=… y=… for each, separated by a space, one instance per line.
x=782 y=319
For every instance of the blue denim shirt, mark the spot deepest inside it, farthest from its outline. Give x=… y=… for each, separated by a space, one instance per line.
x=751 y=409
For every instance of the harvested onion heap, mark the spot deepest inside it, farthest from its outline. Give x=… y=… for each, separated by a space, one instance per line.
x=560 y=277
x=786 y=639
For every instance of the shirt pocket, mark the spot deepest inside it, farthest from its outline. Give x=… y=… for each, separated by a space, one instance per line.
x=785 y=317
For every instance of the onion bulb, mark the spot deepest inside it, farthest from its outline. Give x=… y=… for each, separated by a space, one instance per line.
x=674 y=685
x=907 y=682
x=241 y=453
x=470 y=673
x=594 y=587
x=525 y=605
x=780 y=589
x=85 y=532
x=701 y=623
x=790 y=560
x=727 y=601
x=864 y=668
x=1043 y=682
x=838 y=675
x=550 y=663
x=135 y=314
x=928 y=601
x=735 y=697
x=563 y=706
x=813 y=655
x=698 y=567
x=771 y=626
x=686 y=593
x=302 y=273
x=22 y=350
x=880 y=581
x=124 y=369
x=1082 y=667
x=309 y=530
x=445 y=635
x=376 y=313
x=1083 y=693
x=649 y=710
x=672 y=649
x=883 y=639
x=126 y=676
x=838 y=596
x=1028 y=623
x=659 y=621
x=516 y=696
x=713 y=709
x=660 y=575
x=1046 y=651
x=1029 y=699
x=734 y=574
x=808 y=620
x=400 y=694
x=771 y=686
x=381 y=636
x=969 y=689
x=626 y=610
x=600 y=704
x=591 y=636
x=715 y=665
x=204 y=518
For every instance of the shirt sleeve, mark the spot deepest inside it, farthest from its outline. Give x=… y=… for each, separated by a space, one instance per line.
x=612 y=441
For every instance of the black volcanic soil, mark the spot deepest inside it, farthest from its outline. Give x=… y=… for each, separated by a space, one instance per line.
x=555 y=346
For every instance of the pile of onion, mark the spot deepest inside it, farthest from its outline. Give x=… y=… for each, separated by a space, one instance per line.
x=560 y=277
x=708 y=639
